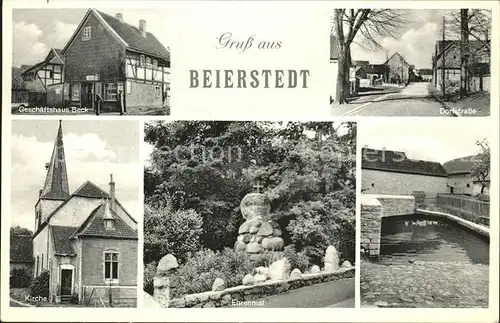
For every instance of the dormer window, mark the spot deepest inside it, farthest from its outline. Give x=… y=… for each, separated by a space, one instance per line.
x=108 y=218
x=87 y=33
x=109 y=224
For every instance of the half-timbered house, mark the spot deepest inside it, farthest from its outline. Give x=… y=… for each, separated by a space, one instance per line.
x=45 y=73
x=114 y=66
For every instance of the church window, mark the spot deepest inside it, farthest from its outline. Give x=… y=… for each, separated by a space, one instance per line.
x=37 y=263
x=111 y=265
x=41 y=266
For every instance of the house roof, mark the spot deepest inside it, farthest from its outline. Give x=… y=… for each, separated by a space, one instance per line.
x=62 y=243
x=462 y=165
x=395 y=55
x=444 y=46
x=134 y=39
x=397 y=161
x=21 y=249
x=89 y=189
x=376 y=68
x=94 y=225
x=53 y=52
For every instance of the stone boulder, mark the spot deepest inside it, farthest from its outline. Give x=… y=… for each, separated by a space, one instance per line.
x=218 y=285
x=295 y=274
x=346 y=264
x=331 y=259
x=240 y=246
x=248 y=280
x=167 y=263
x=265 y=230
x=253 y=247
x=279 y=270
x=262 y=270
x=259 y=278
x=315 y=269
x=255 y=205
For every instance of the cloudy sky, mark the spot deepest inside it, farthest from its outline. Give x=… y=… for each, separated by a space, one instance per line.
x=429 y=139
x=94 y=149
x=35 y=31
x=416 y=42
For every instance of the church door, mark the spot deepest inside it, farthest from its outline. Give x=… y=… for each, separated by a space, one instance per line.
x=66 y=281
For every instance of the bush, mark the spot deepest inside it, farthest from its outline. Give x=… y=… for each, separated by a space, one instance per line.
x=149 y=274
x=297 y=259
x=200 y=270
x=40 y=285
x=19 y=278
x=166 y=231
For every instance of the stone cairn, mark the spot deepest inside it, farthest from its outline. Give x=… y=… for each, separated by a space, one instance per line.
x=161 y=281
x=258 y=233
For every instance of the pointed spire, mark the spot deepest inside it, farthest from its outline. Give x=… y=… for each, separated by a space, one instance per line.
x=56 y=182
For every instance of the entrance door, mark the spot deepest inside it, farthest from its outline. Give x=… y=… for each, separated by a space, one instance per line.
x=87 y=95
x=66 y=281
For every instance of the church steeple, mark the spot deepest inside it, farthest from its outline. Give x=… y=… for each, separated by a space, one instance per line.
x=56 y=183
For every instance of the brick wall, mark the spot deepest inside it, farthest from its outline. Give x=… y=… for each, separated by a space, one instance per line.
x=93 y=260
x=402 y=184
x=102 y=54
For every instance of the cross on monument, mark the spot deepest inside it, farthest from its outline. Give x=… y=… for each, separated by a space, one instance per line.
x=258 y=186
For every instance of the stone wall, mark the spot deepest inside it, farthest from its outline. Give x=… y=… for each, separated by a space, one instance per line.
x=373 y=209
x=250 y=295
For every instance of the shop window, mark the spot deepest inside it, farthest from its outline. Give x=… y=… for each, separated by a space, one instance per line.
x=110 y=91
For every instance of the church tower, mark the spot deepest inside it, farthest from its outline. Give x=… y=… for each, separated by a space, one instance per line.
x=55 y=189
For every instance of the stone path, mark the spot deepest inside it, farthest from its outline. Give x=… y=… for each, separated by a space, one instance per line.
x=424 y=284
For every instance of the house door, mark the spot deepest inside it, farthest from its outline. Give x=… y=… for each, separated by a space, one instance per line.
x=86 y=99
x=66 y=281
x=452 y=190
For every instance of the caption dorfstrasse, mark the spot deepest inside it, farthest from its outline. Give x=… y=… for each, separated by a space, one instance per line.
x=239 y=78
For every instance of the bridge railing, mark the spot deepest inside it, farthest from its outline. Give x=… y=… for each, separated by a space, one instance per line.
x=466 y=207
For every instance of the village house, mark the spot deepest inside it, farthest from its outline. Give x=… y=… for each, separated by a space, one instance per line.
x=107 y=65
x=393 y=173
x=460 y=179
x=425 y=74
x=399 y=69
x=86 y=240
x=447 y=57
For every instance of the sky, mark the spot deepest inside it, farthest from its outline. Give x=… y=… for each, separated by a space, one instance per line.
x=35 y=31
x=94 y=150
x=416 y=42
x=428 y=139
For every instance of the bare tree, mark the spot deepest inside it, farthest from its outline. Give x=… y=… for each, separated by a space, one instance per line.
x=481 y=168
x=464 y=53
x=364 y=27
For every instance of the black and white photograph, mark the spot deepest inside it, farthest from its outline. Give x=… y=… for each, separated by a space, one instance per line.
x=90 y=61
x=75 y=205
x=249 y=214
x=425 y=215
x=409 y=62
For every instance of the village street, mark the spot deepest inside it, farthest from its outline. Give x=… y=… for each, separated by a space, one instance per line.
x=412 y=100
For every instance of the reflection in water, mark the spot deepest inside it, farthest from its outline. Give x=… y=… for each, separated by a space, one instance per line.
x=427 y=238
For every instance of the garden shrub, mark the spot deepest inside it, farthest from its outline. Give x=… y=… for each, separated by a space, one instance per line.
x=19 y=278
x=297 y=259
x=40 y=285
x=149 y=274
x=200 y=270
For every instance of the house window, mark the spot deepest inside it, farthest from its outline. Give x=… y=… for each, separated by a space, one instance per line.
x=155 y=63
x=148 y=61
x=110 y=91
x=468 y=185
x=75 y=92
x=157 y=91
x=142 y=60
x=109 y=224
x=111 y=265
x=87 y=33
x=129 y=87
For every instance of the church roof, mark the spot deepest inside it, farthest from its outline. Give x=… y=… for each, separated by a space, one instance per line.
x=21 y=249
x=62 y=243
x=94 y=225
x=56 y=182
x=89 y=189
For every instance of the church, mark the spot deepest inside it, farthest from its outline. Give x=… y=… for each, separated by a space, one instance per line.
x=86 y=240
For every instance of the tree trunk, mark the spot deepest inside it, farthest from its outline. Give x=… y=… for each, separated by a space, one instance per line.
x=464 y=51
x=343 y=75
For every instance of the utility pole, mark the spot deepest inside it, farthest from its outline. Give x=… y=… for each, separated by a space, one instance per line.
x=464 y=48
x=443 y=72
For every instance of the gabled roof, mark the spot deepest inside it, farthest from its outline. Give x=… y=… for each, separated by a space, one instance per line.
x=21 y=249
x=56 y=182
x=89 y=189
x=444 y=46
x=397 y=161
x=396 y=54
x=62 y=243
x=462 y=165
x=54 y=56
x=93 y=226
x=127 y=35
x=132 y=36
